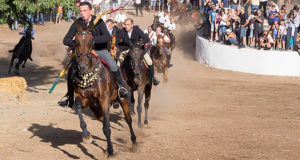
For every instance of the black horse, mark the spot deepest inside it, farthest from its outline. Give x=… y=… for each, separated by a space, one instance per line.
x=22 y=52
x=139 y=79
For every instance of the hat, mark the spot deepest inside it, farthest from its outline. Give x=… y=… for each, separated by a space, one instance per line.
x=228 y=31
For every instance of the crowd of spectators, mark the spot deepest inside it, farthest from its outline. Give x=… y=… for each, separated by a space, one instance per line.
x=259 y=24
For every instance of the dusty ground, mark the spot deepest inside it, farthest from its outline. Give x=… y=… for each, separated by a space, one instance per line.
x=201 y=113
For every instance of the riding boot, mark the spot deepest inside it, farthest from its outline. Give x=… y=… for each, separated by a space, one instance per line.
x=155 y=81
x=70 y=94
x=122 y=91
x=169 y=61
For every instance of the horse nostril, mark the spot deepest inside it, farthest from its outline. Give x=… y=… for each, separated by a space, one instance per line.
x=136 y=74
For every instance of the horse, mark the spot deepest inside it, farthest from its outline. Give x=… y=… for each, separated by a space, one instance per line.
x=95 y=87
x=159 y=58
x=156 y=23
x=139 y=79
x=22 y=51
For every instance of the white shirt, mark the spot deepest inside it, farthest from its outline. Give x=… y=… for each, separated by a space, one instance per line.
x=282 y=30
x=163 y=19
x=33 y=32
x=120 y=18
x=154 y=41
x=223 y=22
x=138 y=2
x=170 y=26
x=129 y=34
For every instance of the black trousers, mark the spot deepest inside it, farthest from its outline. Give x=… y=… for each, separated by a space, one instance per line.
x=139 y=7
x=263 y=5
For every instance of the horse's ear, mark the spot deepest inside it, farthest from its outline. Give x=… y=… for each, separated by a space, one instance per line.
x=78 y=25
x=91 y=26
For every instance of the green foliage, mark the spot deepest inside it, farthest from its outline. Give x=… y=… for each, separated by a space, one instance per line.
x=19 y=8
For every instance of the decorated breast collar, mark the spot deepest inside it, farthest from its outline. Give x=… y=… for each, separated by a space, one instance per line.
x=87 y=80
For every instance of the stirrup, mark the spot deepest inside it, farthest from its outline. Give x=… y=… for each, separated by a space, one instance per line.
x=63 y=103
x=126 y=93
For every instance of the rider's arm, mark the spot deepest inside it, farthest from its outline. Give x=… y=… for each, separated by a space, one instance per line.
x=104 y=37
x=145 y=38
x=68 y=40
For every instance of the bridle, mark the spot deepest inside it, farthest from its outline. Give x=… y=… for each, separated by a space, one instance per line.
x=86 y=54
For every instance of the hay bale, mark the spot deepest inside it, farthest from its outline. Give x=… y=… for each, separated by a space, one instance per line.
x=13 y=88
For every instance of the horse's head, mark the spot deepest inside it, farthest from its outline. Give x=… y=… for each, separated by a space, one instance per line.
x=136 y=57
x=84 y=46
x=160 y=43
x=155 y=22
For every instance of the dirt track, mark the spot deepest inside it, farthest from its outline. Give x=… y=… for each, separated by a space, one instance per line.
x=201 y=113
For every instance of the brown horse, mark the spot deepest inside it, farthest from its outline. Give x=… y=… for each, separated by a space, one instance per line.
x=95 y=87
x=156 y=23
x=139 y=79
x=159 y=57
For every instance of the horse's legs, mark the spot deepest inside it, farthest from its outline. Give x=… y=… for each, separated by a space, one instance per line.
x=166 y=73
x=128 y=119
x=11 y=62
x=139 y=107
x=17 y=66
x=23 y=66
x=106 y=125
x=132 y=103
x=147 y=99
x=86 y=136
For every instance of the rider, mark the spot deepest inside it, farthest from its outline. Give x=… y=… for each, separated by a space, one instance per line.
x=163 y=18
x=120 y=17
x=135 y=34
x=151 y=34
x=167 y=40
x=101 y=38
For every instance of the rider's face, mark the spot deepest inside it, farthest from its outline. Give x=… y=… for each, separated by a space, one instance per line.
x=110 y=25
x=128 y=25
x=85 y=12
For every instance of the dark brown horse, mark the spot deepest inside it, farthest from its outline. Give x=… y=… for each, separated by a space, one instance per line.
x=139 y=79
x=22 y=51
x=95 y=87
x=156 y=23
x=159 y=57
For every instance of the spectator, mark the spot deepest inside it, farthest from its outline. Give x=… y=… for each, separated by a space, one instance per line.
x=212 y=17
x=225 y=5
x=59 y=14
x=244 y=26
x=152 y=5
x=189 y=7
x=275 y=28
x=282 y=13
x=223 y=21
x=235 y=4
x=138 y=6
x=263 y=5
x=266 y=41
x=114 y=4
x=230 y=37
x=161 y=5
x=39 y=17
x=251 y=27
x=292 y=30
x=217 y=24
x=282 y=35
x=258 y=26
x=273 y=15
x=14 y=21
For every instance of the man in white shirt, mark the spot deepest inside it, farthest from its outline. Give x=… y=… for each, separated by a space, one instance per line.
x=121 y=17
x=163 y=17
x=151 y=35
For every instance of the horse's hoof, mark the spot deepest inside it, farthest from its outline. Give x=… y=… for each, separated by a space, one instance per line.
x=146 y=122
x=110 y=152
x=17 y=72
x=132 y=113
x=88 y=139
x=134 y=147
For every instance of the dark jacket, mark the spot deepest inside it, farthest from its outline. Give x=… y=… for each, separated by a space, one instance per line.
x=101 y=36
x=121 y=37
x=137 y=35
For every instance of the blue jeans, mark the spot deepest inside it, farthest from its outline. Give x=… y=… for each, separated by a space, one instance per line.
x=30 y=18
x=14 y=25
x=70 y=12
x=222 y=30
x=289 y=35
x=244 y=31
x=40 y=18
x=232 y=41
